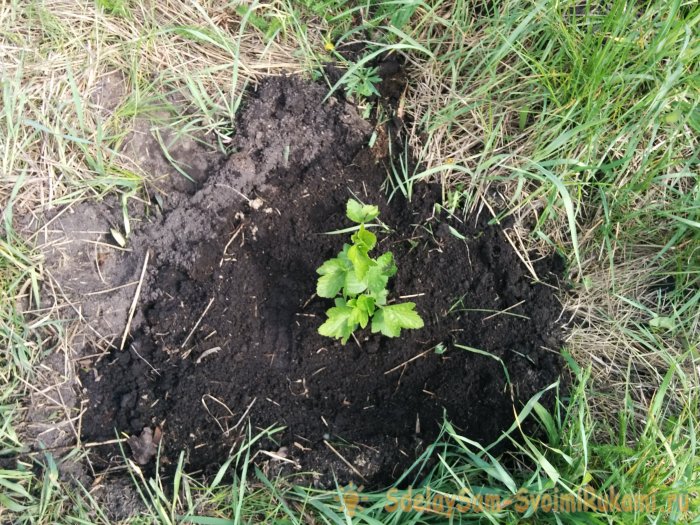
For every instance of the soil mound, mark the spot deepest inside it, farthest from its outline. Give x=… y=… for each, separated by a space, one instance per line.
x=228 y=325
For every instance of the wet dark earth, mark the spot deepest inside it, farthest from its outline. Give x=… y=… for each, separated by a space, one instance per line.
x=225 y=340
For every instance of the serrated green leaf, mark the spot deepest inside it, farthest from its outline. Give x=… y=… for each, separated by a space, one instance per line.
x=361 y=213
x=379 y=274
x=380 y=297
x=353 y=285
x=333 y=278
x=386 y=261
x=359 y=316
x=362 y=310
x=357 y=253
x=376 y=279
x=390 y=319
x=364 y=239
x=344 y=254
x=340 y=302
x=360 y=262
x=338 y=324
x=366 y=302
x=329 y=285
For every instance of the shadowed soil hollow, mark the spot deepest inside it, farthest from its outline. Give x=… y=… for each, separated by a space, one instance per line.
x=228 y=321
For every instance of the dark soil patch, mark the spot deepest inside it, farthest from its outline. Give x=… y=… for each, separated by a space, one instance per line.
x=229 y=318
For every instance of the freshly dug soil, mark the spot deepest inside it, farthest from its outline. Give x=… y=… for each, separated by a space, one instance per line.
x=227 y=328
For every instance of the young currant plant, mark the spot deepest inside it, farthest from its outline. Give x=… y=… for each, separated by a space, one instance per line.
x=358 y=283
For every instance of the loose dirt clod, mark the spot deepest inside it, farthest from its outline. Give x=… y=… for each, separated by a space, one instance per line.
x=228 y=324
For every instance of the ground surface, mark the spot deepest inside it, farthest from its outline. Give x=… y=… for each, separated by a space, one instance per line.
x=229 y=323
x=579 y=121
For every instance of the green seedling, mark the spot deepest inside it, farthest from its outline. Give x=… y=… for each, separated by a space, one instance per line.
x=358 y=283
x=363 y=82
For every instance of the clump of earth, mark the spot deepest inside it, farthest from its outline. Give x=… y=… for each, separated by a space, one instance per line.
x=224 y=342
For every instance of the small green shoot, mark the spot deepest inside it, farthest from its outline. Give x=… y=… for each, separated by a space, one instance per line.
x=358 y=284
x=363 y=82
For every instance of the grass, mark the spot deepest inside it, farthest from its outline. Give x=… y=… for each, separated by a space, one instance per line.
x=579 y=120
